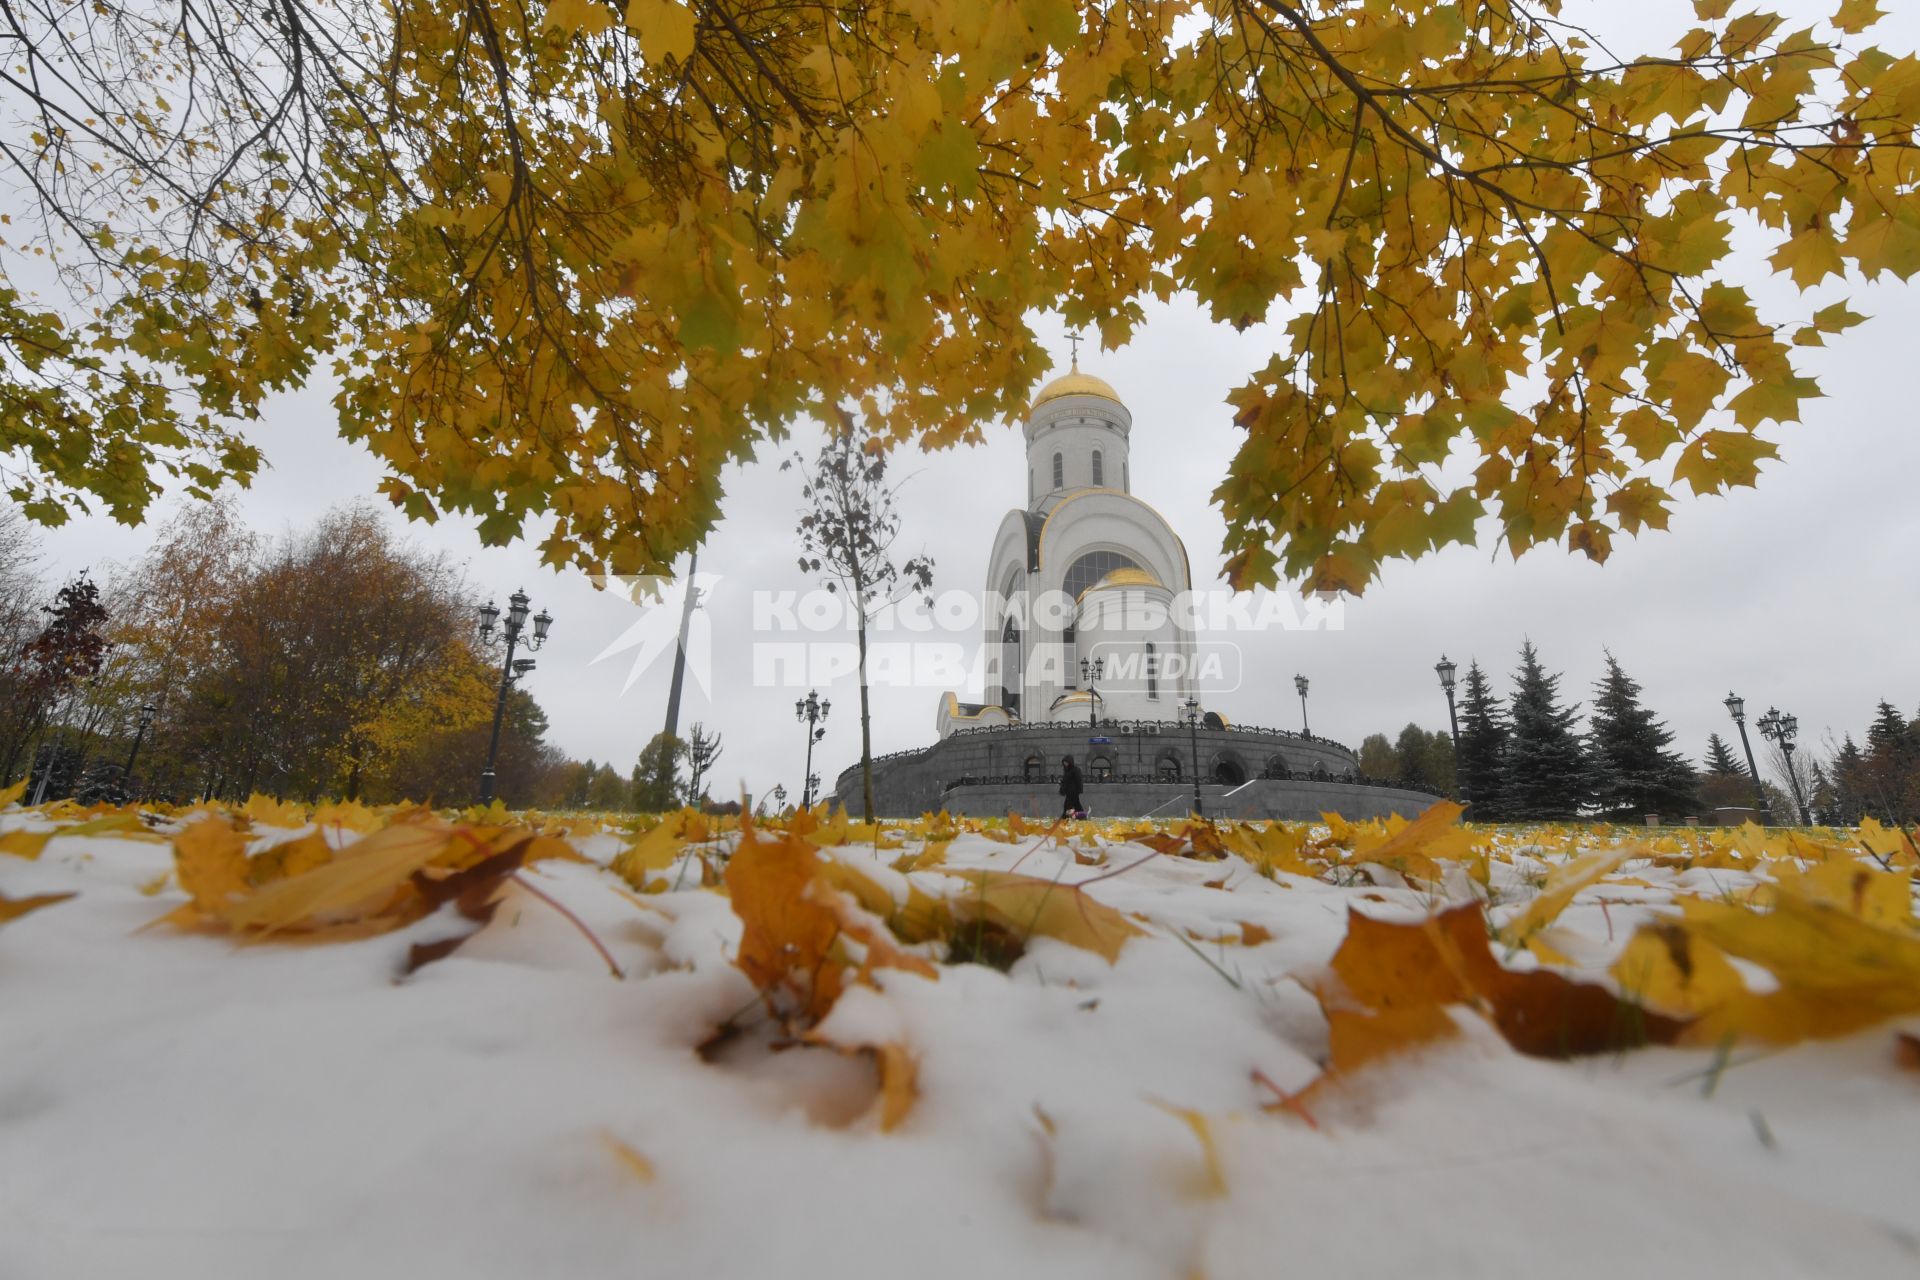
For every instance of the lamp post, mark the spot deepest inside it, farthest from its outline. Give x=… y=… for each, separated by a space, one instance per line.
x=1090 y=673
x=1783 y=729
x=1190 y=712
x=511 y=668
x=811 y=711
x=1737 y=708
x=1300 y=686
x=1446 y=671
x=139 y=735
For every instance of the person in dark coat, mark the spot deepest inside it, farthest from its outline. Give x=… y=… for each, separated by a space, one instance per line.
x=1072 y=807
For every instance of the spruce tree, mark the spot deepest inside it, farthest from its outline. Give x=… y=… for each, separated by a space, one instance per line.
x=1545 y=773
x=1893 y=765
x=1720 y=759
x=1852 y=783
x=1478 y=761
x=1631 y=769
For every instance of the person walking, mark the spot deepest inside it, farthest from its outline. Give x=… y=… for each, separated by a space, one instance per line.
x=1072 y=806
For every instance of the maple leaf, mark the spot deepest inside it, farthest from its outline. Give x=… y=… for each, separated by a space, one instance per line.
x=25 y=844
x=1390 y=987
x=210 y=859
x=1564 y=882
x=14 y=908
x=1023 y=906
x=475 y=894
x=793 y=919
x=1835 y=971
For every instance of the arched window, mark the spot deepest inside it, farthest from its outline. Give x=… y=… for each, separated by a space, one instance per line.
x=1123 y=477
x=1229 y=771
x=1100 y=768
x=1059 y=472
x=1092 y=567
x=1099 y=475
x=1168 y=768
x=1033 y=768
x=1153 y=672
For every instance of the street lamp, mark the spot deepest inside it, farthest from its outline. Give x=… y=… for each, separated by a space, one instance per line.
x=1300 y=686
x=811 y=711
x=1090 y=673
x=139 y=735
x=1737 y=708
x=1446 y=671
x=1190 y=712
x=1783 y=729
x=511 y=668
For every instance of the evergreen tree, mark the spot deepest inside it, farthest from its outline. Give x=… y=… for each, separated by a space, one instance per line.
x=1545 y=773
x=1482 y=748
x=1893 y=765
x=1851 y=783
x=1631 y=770
x=1720 y=758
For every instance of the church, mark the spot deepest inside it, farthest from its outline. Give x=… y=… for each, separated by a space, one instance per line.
x=1084 y=573
x=1089 y=652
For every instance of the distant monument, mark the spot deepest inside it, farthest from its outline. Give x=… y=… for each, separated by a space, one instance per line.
x=1084 y=574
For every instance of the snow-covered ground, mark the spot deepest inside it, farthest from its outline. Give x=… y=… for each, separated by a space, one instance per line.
x=173 y=1103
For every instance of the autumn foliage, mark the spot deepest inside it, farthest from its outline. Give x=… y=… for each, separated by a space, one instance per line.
x=1452 y=933
x=569 y=259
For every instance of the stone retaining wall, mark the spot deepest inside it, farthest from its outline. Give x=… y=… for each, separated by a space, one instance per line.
x=1302 y=801
x=987 y=772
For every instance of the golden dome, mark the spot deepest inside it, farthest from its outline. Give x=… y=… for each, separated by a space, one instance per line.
x=1129 y=577
x=1076 y=383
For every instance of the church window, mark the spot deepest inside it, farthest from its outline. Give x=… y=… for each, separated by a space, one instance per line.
x=1099 y=476
x=1153 y=672
x=1168 y=767
x=1059 y=472
x=1092 y=567
x=1101 y=768
x=1123 y=477
x=1033 y=768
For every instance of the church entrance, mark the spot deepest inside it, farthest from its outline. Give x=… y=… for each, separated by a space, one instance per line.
x=1229 y=772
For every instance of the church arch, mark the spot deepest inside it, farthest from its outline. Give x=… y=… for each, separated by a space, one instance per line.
x=1100 y=769
x=1228 y=770
x=1167 y=767
x=1032 y=768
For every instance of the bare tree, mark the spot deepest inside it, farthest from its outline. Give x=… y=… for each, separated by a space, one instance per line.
x=848 y=525
x=703 y=749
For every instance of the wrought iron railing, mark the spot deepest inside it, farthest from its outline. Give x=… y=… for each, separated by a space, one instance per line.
x=1138 y=728
x=1053 y=779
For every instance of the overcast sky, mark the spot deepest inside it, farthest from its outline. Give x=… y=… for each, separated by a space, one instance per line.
x=1803 y=593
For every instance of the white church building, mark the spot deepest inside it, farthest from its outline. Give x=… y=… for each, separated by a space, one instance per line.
x=1084 y=573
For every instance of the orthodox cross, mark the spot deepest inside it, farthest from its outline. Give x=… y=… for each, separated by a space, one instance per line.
x=1074 y=340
